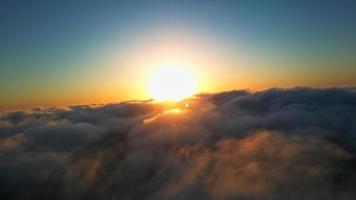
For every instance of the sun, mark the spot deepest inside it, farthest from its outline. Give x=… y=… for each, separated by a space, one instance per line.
x=171 y=81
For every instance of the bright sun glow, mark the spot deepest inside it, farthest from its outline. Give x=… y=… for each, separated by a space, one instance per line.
x=171 y=82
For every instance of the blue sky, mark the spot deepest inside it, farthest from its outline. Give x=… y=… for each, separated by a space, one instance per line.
x=52 y=45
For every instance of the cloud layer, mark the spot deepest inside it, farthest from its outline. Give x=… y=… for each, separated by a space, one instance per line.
x=297 y=143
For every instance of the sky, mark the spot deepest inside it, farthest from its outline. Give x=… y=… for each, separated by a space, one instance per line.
x=83 y=110
x=72 y=52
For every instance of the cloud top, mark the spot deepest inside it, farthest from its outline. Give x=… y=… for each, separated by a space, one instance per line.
x=296 y=143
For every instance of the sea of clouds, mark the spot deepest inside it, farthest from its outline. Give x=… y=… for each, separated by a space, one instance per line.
x=296 y=143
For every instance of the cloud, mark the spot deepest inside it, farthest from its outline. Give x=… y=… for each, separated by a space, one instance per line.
x=262 y=165
x=296 y=143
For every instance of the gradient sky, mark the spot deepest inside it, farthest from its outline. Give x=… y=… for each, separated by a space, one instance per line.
x=69 y=52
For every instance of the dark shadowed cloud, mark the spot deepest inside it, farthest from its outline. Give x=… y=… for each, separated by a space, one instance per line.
x=297 y=143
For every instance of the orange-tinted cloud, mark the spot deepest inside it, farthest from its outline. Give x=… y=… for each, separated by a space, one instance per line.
x=296 y=143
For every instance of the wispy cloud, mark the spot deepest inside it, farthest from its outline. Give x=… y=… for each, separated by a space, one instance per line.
x=275 y=144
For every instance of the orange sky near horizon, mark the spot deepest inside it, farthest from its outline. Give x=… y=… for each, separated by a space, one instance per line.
x=111 y=74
